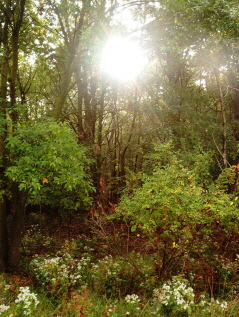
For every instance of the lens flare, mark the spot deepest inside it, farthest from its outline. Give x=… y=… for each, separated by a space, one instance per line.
x=123 y=59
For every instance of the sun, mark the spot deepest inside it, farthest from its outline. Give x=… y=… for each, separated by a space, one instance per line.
x=123 y=59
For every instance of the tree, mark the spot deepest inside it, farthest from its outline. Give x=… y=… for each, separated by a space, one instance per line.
x=48 y=166
x=11 y=24
x=13 y=193
x=193 y=43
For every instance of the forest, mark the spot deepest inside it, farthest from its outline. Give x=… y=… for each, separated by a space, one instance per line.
x=119 y=158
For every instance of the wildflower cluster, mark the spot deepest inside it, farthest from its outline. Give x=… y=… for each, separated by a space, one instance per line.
x=211 y=305
x=132 y=299
x=175 y=296
x=221 y=305
x=111 y=310
x=59 y=273
x=132 y=303
x=26 y=301
x=4 y=308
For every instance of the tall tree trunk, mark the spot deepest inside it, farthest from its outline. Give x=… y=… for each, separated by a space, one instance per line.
x=234 y=85
x=72 y=44
x=3 y=235
x=18 y=204
x=90 y=102
x=17 y=201
x=14 y=13
x=64 y=87
x=3 y=207
x=3 y=106
x=19 y=9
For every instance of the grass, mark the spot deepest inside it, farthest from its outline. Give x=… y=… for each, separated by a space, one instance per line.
x=84 y=302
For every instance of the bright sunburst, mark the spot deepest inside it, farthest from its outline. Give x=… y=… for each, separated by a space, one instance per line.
x=123 y=59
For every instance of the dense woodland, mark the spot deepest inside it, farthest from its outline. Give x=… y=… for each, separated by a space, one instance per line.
x=148 y=165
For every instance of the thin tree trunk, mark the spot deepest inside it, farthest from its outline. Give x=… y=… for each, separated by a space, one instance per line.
x=80 y=129
x=234 y=85
x=123 y=152
x=100 y=127
x=3 y=235
x=224 y=120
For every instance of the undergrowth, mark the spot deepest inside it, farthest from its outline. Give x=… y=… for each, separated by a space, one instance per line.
x=75 y=281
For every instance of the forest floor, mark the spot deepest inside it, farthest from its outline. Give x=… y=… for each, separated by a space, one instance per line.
x=85 y=265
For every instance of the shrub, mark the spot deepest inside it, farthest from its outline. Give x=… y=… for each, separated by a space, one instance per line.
x=116 y=277
x=49 y=164
x=172 y=208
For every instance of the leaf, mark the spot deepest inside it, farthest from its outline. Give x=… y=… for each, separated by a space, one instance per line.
x=44 y=180
x=133 y=228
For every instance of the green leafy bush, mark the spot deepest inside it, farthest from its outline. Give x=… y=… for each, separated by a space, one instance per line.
x=181 y=216
x=171 y=199
x=119 y=276
x=49 y=164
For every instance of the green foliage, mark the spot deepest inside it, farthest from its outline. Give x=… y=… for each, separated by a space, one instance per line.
x=228 y=179
x=202 y=166
x=168 y=196
x=117 y=276
x=171 y=199
x=49 y=164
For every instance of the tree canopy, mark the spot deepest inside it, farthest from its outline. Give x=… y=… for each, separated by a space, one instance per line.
x=67 y=126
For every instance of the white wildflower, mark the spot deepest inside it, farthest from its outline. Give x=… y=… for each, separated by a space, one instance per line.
x=132 y=299
x=3 y=308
